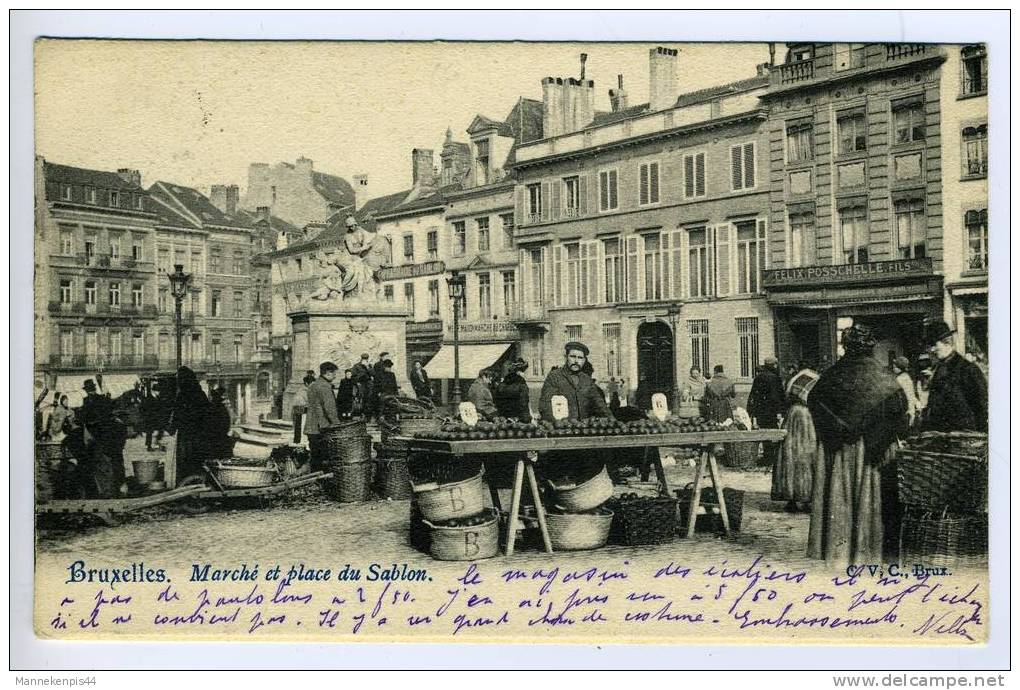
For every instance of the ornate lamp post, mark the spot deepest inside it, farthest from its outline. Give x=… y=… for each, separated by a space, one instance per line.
x=674 y=319
x=456 y=283
x=179 y=289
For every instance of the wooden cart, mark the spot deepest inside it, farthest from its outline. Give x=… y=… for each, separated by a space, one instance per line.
x=524 y=451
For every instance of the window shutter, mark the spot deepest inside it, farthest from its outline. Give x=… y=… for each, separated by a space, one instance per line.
x=643 y=193
x=688 y=176
x=554 y=201
x=593 y=273
x=582 y=195
x=722 y=265
x=763 y=244
x=635 y=280
x=664 y=288
x=558 y=276
x=583 y=298
x=545 y=201
x=600 y=272
x=653 y=183
x=676 y=277
x=736 y=168
x=685 y=265
x=748 y=166
x=614 y=182
x=520 y=211
x=547 y=274
x=603 y=191
x=699 y=174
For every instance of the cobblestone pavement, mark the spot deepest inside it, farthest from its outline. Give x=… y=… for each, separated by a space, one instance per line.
x=307 y=526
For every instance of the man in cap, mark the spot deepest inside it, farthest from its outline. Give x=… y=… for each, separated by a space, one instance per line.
x=322 y=413
x=958 y=395
x=584 y=400
x=766 y=403
x=361 y=374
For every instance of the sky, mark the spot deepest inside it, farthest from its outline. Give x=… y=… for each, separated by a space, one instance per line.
x=198 y=112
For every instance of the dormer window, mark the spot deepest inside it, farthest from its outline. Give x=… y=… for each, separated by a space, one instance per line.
x=114 y=198
x=65 y=192
x=90 y=195
x=482 y=160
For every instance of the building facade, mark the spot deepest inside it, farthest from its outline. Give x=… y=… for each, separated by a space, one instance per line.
x=856 y=160
x=964 y=105
x=95 y=283
x=643 y=232
x=296 y=192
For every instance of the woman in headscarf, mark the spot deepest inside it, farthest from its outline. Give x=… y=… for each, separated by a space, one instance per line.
x=792 y=472
x=188 y=422
x=512 y=400
x=859 y=411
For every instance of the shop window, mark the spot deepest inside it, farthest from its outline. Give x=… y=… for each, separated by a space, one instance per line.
x=697 y=330
x=976 y=223
x=854 y=234
x=911 y=228
x=799 y=142
x=975 y=151
x=974 y=65
x=747 y=334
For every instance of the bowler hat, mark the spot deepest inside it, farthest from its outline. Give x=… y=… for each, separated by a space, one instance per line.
x=936 y=331
x=89 y=386
x=575 y=345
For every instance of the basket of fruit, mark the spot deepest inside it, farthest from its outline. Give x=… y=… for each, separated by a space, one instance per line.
x=455 y=430
x=588 y=495
x=468 y=538
x=709 y=518
x=243 y=473
x=579 y=531
x=444 y=502
x=643 y=520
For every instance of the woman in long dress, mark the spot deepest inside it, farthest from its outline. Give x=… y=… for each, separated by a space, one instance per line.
x=188 y=423
x=792 y=473
x=859 y=411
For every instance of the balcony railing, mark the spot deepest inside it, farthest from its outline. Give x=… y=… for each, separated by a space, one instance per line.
x=900 y=51
x=797 y=71
x=528 y=312
x=95 y=362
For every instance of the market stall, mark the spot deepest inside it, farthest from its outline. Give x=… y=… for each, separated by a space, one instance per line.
x=524 y=453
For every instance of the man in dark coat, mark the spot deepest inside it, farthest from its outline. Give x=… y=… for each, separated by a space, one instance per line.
x=345 y=394
x=512 y=399
x=480 y=395
x=104 y=440
x=958 y=395
x=322 y=414
x=717 y=405
x=766 y=402
x=386 y=381
x=218 y=424
x=361 y=373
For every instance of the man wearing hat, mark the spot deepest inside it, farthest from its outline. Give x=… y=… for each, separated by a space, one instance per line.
x=766 y=403
x=584 y=399
x=958 y=395
x=512 y=399
x=361 y=375
x=901 y=369
x=104 y=441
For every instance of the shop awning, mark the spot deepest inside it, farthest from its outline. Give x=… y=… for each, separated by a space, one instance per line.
x=473 y=358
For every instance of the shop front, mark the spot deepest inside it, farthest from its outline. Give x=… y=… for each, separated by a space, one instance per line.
x=813 y=305
x=970 y=316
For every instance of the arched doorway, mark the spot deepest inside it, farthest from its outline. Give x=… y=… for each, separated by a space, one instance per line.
x=655 y=361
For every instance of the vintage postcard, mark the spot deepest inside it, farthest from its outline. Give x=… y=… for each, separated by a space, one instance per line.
x=605 y=343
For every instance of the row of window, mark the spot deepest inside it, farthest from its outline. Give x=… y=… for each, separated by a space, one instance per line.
x=106 y=197
x=484 y=294
x=483 y=237
x=700 y=261
x=67 y=289
x=699 y=347
x=115 y=344
x=567 y=197
x=117 y=244
x=114 y=290
x=237 y=263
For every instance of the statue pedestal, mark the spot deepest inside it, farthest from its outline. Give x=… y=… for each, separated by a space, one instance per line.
x=340 y=333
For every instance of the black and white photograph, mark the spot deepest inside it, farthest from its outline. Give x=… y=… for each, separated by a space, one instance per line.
x=586 y=342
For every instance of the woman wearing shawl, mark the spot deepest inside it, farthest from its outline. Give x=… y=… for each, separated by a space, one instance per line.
x=791 y=474
x=188 y=423
x=859 y=411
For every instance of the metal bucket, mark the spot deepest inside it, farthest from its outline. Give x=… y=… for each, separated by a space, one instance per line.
x=146 y=471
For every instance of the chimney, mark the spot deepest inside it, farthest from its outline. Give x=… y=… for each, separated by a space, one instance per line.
x=763 y=69
x=130 y=176
x=360 y=191
x=662 y=90
x=304 y=166
x=422 y=167
x=225 y=197
x=552 y=107
x=262 y=213
x=617 y=96
x=584 y=59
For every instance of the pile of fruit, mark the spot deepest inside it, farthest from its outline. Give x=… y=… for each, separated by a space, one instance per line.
x=472 y=521
x=596 y=426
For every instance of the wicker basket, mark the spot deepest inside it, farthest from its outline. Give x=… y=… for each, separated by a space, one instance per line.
x=945 y=539
x=743 y=455
x=439 y=468
x=586 y=495
x=709 y=518
x=350 y=483
x=937 y=482
x=393 y=480
x=646 y=520
x=579 y=531
x=146 y=471
x=245 y=477
x=440 y=503
x=347 y=450
x=469 y=543
x=47 y=469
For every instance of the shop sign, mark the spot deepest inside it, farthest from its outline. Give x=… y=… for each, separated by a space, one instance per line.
x=412 y=271
x=484 y=330
x=847 y=273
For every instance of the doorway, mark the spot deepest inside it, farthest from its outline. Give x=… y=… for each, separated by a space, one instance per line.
x=655 y=362
x=805 y=345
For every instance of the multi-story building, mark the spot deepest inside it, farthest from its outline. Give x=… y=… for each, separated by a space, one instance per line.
x=296 y=192
x=963 y=99
x=479 y=242
x=857 y=160
x=643 y=231
x=216 y=249
x=95 y=285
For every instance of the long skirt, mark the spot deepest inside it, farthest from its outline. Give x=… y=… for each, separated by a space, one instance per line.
x=794 y=467
x=847 y=506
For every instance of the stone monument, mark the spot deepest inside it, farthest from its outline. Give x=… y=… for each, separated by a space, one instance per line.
x=346 y=316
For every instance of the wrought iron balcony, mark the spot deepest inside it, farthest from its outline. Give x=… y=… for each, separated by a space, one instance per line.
x=793 y=72
x=901 y=51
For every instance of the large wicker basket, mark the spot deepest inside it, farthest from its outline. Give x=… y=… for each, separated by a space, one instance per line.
x=954 y=541
x=709 y=517
x=465 y=543
x=347 y=449
x=938 y=482
x=646 y=520
x=586 y=495
x=443 y=502
x=743 y=455
x=579 y=531
x=350 y=483
x=392 y=478
x=245 y=477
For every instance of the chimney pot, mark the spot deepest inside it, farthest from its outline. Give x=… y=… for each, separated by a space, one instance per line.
x=584 y=59
x=130 y=176
x=662 y=72
x=263 y=213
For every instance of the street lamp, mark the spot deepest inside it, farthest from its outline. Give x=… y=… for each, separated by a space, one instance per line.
x=179 y=289
x=674 y=319
x=456 y=283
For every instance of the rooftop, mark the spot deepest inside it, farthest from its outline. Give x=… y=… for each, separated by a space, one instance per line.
x=67 y=174
x=194 y=205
